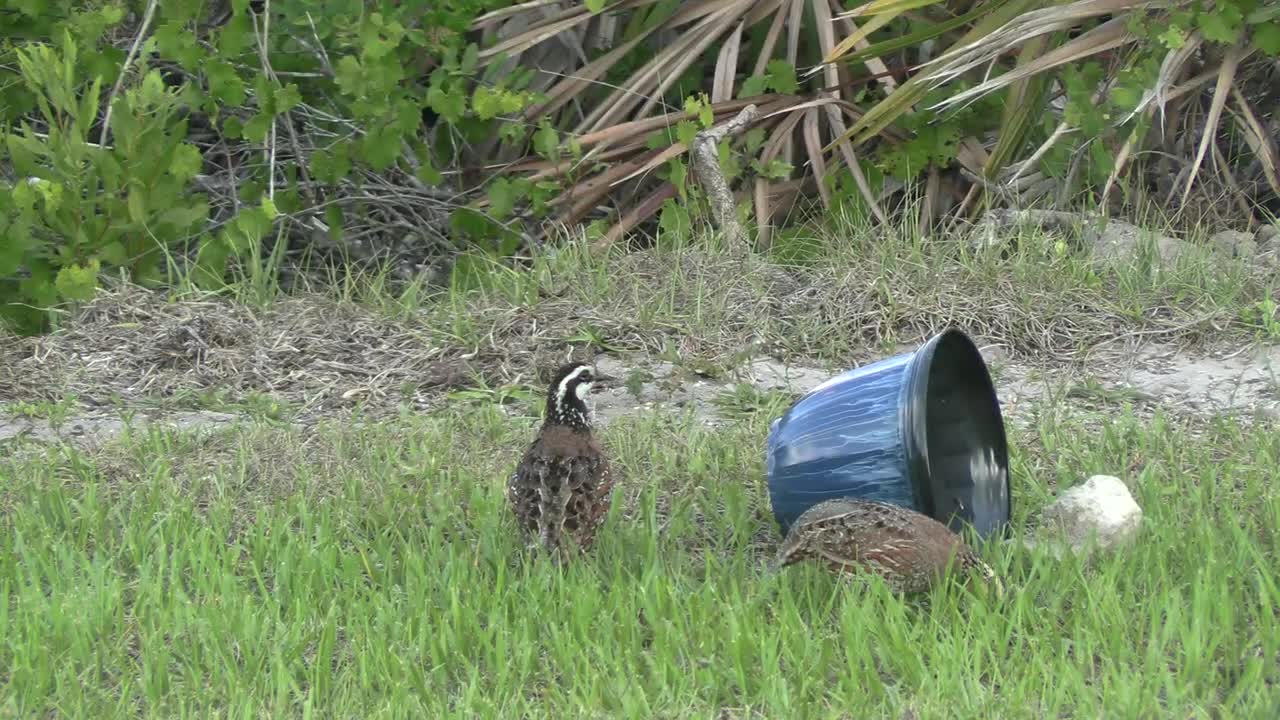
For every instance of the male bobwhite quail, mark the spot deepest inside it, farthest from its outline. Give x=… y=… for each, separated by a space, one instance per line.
x=563 y=482
x=906 y=548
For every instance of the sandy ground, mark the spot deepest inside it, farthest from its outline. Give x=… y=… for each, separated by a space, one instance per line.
x=1242 y=382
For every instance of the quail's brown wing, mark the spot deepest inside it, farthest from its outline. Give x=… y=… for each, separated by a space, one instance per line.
x=591 y=484
x=523 y=487
x=867 y=534
x=578 y=467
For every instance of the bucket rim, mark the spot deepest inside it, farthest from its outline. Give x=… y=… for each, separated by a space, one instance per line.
x=914 y=419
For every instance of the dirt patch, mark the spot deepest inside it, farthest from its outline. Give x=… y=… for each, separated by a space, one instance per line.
x=1245 y=382
x=1161 y=377
x=135 y=348
x=1242 y=382
x=93 y=428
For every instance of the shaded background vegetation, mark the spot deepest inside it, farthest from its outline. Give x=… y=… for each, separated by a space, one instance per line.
x=203 y=142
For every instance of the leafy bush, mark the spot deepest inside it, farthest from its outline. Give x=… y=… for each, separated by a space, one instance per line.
x=225 y=133
x=78 y=208
x=240 y=130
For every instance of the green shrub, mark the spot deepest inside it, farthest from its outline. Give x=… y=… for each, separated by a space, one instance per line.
x=75 y=208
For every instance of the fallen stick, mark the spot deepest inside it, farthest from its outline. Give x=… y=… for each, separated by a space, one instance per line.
x=706 y=164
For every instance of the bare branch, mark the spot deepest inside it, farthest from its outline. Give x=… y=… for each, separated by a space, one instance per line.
x=124 y=70
x=706 y=162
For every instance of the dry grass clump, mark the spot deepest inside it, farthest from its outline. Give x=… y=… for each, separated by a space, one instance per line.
x=311 y=351
x=319 y=354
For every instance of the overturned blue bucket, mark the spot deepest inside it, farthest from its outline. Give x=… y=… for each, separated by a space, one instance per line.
x=922 y=430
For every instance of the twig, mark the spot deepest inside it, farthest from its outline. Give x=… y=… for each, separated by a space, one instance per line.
x=324 y=54
x=1233 y=187
x=706 y=161
x=124 y=70
x=270 y=151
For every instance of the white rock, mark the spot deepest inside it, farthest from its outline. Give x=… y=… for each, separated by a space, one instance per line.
x=1101 y=511
x=1235 y=244
x=1268 y=237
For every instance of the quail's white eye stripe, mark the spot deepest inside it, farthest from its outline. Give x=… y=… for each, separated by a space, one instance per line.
x=563 y=388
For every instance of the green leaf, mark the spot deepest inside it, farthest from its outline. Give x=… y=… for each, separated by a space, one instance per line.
x=546 y=142
x=470 y=59
x=754 y=85
x=428 y=174
x=686 y=131
x=729 y=162
x=287 y=98
x=114 y=253
x=777 y=169
x=513 y=132
x=381 y=147
x=137 y=206
x=233 y=128
x=448 y=104
x=211 y=262
x=50 y=192
x=674 y=219
x=331 y=165
x=22 y=153
x=186 y=162
x=183 y=217
x=471 y=224
x=18 y=241
x=1173 y=37
x=486 y=102
x=699 y=107
x=152 y=92
x=349 y=76
x=502 y=198
x=256 y=129
x=1267 y=38
x=782 y=77
x=595 y=6
x=236 y=36
x=334 y=218
x=77 y=283
x=1223 y=23
x=678 y=175
x=657 y=139
x=175 y=41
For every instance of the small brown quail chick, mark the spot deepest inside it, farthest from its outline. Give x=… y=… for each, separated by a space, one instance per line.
x=563 y=483
x=908 y=549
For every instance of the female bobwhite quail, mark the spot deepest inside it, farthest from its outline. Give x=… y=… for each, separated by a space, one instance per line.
x=563 y=482
x=909 y=550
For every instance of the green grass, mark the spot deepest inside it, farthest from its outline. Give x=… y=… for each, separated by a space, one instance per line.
x=371 y=571
x=347 y=570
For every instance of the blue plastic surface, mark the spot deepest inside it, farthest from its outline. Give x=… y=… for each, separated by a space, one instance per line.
x=843 y=439
x=869 y=433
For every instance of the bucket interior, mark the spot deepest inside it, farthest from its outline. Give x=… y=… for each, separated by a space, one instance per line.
x=956 y=444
